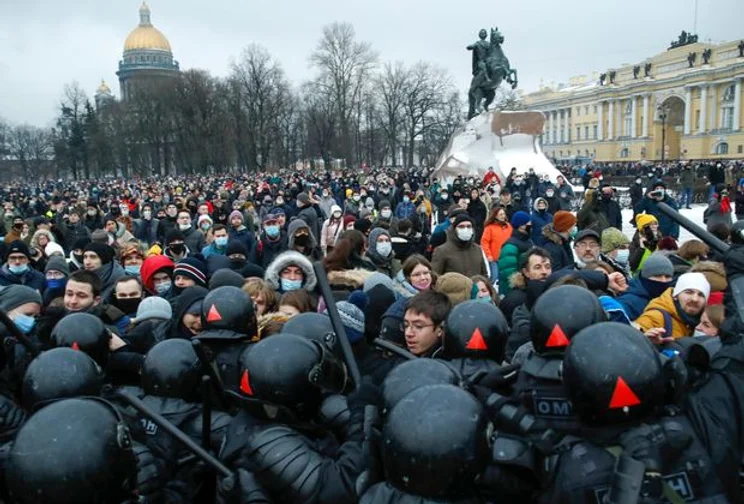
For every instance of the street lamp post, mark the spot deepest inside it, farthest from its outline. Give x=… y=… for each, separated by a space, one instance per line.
x=663 y=114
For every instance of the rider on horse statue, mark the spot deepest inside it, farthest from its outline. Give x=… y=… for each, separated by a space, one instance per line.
x=490 y=67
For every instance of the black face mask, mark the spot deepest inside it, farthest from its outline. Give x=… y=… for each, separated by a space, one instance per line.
x=128 y=305
x=302 y=240
x=237 y=264
x=178 y=248
x=18 y=227
x=78 y=258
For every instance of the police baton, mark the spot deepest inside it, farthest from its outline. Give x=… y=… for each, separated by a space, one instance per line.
x=736 y=284
x=338 y=327
x=174 y=431
x=17 y=334
x=393 y=348
x=704 y=235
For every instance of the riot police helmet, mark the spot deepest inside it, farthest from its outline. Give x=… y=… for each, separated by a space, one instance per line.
x=435 y=442
x=229 y=308
x=316 y=327
x=290 y=372
x=613 y=374
x=84 y=332
x=559 y=314
x=172 y=369
x=73 y=450
x=475 y=330
x=414 y=374
x=60 y=373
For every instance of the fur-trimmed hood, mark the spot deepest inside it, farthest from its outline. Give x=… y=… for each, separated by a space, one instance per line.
x=517 y=281
x=291 y=258
x=353 y=278
x=550 y=234
x=714 y=272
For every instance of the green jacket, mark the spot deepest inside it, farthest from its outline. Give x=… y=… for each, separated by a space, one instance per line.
x=511 y=253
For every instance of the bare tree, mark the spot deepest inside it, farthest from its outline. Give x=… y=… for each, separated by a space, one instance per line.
x=508 y=99
x=264 y=96
x=391 y=84
x=344 y=64
x=428 y=87
x=31 y=147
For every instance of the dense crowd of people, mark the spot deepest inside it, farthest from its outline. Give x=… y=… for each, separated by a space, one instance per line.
x=511 y=344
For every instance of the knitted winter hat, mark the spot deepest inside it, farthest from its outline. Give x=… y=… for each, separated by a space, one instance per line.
x=193 y=268
x=57 y=263
x=154 y=307
x=17 y=247
x=236 y=247
x=657 y=264
x=562 y=221
x=102 y=250
x=694 y=281
x=14 y=296
x=54 y=248
x=613 y=238
x=643 y=220
x=80 y=243
x=456 y=287
x=348 y=219
x=667 y=243
x=224 y=277
x=351 y=313
x=376 y=279
x=203 y=218
x=464 y=218
x=520 y=218
x=236 y=213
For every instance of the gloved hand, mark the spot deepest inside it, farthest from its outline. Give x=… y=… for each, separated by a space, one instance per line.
x=149 y=485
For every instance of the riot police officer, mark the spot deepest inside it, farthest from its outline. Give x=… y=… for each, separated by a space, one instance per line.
x=557 y=316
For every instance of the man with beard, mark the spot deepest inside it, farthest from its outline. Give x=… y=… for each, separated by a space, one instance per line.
x=676 y=313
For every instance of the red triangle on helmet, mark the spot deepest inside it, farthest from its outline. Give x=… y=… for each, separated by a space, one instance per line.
x=75 y=346
x=213 y=315
x=245 y=384
x=623 y=396
x=557 y=338
x=476 y=341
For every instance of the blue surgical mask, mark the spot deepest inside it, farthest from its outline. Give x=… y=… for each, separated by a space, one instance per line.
x=221 y=241
x=132 y=269
x=290 y=285
x=272 y=231
x=56 y=283
x=622 y=256
x=24 y=323
x=485 y=299
x=18 y=270
x=163 y=287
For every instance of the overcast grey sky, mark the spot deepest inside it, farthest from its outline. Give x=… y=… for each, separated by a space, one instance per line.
x=45 y=44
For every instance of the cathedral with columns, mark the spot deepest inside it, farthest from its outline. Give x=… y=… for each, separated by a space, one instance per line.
x=682 y=104
x=147 y=58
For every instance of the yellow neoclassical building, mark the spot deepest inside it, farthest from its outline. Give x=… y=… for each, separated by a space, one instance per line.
x=684 y=103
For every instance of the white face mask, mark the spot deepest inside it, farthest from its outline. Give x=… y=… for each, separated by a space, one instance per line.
x=386 y=213
x=622 y=256
x=699 y=333
x=184 y=227
x=464 y=234
x=384 y=248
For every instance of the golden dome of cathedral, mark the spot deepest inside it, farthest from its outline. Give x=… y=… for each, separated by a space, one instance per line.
x=146 y=36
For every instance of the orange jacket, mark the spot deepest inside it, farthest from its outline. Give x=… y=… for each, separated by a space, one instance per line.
x=494 y=237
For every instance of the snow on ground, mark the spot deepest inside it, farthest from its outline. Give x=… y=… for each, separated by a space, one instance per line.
x=695 y=215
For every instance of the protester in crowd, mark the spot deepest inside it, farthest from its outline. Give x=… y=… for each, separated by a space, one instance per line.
x=587 y=246
x=497 y=231
x=511 y=252
x=710 y=321
x=17 y=270
x=557 y=239
x=616 y=250
x=294 y=302
x=262 y=294
x=719 y=208
x=414 y=276
x=655 y=277
x=460 y=254
x=649 y=204
x=645 y=240
x=675 y=313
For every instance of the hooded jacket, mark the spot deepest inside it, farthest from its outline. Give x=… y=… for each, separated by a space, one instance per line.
x=512 y=250
x=387 y=265
x=539 y=220
x=495 y=235
x=152 y=265
x=456 y=256
x=561 y=255
x=311 y=250
x=290 y=258
x=652 y=317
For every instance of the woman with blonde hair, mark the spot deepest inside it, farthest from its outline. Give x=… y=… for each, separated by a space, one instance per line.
x=263 y=296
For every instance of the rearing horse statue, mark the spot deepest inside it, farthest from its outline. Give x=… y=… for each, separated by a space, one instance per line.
x=490 y=68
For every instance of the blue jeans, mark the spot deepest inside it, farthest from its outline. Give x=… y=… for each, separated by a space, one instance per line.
x=711 y=191
x=494 y=267
x=686 y=199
